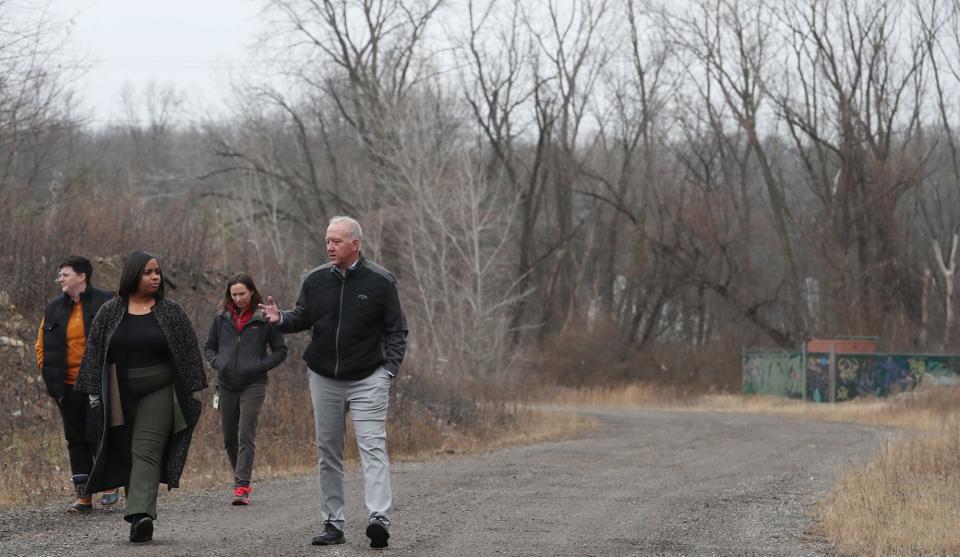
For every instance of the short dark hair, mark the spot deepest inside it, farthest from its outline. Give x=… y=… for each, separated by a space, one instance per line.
x=133 y=266
x=244 y=279
x=79 y=264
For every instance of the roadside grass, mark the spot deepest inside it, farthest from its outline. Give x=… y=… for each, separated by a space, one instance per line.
x=931 y=408
x=905 y=502
x=619 y=396
x=36 y=469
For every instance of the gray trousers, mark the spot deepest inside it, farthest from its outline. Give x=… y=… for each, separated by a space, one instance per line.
x=367 y=400
x=239 y=412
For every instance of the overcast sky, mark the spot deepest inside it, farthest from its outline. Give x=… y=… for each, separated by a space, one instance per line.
x=190 y=44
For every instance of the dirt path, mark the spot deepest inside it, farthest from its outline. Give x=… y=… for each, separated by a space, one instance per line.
x=647 y=483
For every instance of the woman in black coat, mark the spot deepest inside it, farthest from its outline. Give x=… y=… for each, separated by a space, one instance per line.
x=237 y=348
x=141 y=365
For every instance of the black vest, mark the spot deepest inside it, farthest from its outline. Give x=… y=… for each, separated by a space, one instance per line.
x=55 y=318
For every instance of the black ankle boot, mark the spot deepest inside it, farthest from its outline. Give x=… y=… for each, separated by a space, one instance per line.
x=80 y=487
x=141 y=529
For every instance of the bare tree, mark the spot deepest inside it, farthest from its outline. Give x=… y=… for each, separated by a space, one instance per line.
x=948 y=268
x=505 y=99
x=940 y=28
x=573 y=58
x=375 y=47
x=626 y=167
x=36 y=105
x=733 y=44
x=852 y=104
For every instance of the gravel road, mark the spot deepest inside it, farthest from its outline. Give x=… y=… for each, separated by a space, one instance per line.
x=645 y=483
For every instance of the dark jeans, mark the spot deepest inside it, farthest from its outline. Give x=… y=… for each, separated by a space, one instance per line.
x=73 y=409
x=239 y=412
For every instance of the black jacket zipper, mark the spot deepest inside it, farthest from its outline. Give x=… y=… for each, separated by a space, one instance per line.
x=336 y=340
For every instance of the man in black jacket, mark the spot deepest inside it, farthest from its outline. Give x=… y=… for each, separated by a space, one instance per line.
x=61 y=342
x=359 y=336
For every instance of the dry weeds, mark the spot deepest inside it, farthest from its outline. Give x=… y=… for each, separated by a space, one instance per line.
x=36 y=466
x=906 y=502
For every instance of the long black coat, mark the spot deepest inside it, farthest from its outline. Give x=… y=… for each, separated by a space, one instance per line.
x=111 y=466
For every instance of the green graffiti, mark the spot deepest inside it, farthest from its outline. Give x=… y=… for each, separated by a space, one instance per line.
x=776 y=373
x=918 y=366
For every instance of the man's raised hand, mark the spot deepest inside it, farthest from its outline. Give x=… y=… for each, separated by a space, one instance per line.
x=270 y=311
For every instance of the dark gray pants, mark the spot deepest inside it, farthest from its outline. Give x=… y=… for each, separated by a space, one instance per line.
x=239 y=412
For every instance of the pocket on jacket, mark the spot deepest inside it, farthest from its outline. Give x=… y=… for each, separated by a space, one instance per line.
x=250 y=368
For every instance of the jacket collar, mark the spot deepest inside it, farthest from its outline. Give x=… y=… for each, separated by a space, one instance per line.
x=84 y=296
x=351 y=269
x=257 y=316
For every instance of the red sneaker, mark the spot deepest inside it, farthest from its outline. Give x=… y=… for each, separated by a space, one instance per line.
x=241 y=495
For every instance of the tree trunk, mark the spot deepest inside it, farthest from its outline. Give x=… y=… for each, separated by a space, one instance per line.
x=948 y=269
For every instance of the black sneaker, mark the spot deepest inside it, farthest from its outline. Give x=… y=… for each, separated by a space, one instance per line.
x=331 y=535
x=378 y=534
x=78 y=507
x=141 y=530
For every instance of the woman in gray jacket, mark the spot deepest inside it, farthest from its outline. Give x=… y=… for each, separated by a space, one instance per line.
x=237 y=348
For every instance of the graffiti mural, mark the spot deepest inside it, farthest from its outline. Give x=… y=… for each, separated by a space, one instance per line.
x=873 y=374
x=858 y=375
x=868 y=375
x=773 y=373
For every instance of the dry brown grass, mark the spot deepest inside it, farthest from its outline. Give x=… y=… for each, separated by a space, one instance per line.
x=622 y=396
x=930 y=408
x=906 y=502
x=36 y=468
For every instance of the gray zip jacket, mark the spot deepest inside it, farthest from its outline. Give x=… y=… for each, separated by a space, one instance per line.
x=241 y=359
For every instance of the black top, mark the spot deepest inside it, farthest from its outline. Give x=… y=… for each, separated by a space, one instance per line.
x=140 y=338
x=357 y=322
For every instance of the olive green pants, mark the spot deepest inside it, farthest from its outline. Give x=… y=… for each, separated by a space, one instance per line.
x=153 y=389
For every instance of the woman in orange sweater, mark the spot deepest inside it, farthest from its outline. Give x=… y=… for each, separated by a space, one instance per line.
x=61 y=341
